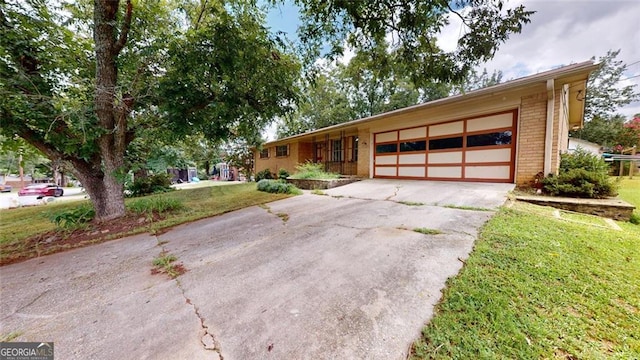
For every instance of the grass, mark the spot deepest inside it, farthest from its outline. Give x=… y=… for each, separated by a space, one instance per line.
x=537 y=287
x=411 y=203
x=165 y=263
x=629 y=191
x=427 y=231
x=464 y=207
x=187 y=205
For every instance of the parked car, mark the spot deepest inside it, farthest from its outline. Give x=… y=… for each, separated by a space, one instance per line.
x=47 y=189
x=5 y=188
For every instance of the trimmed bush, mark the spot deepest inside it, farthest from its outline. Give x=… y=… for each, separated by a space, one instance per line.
x=283 y=174
x=581 y=174
x=264 y=174
x=277 y=187
x=154 y=184
x=311 y=170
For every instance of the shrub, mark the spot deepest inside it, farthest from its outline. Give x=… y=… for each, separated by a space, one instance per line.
x=154 y=184
x=264 y=174
x=154 y=205
x=277 y=187
x=283 y=174
x=73 y=218
x=311 y=170
x=581 y=174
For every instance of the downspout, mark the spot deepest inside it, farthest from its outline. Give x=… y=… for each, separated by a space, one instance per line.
x=548 y=142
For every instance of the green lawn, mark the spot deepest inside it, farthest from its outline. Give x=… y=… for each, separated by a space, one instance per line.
x=17 y=225
x=536 y=287
x=630 y=191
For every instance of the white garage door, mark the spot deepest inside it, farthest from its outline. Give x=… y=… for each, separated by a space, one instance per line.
x=477 y=149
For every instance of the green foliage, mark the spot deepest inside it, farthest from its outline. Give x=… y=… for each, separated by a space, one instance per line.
x=155 y=205
x=153 y=184
x=581 y=174
x=582 y=159
x=165 y=263
x=164 y=260
x=283 y=174
x=605 y=95
x=635 y=218
x=365 y=26
x=264 y=174
x=427 y=231
x=74 y=218
x=310 y=170
x=277 y=187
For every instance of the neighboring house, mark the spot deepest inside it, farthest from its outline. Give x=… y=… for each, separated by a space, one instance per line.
x=504 y=133
x=585 y=145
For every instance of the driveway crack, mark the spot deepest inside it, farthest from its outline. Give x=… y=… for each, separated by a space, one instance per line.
x=208 y=341
x=395 y=193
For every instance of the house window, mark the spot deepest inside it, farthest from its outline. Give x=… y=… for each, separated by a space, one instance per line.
x=446 y=143
x=354 y=151
x=336 y=150
x=264 y=153
x=282 y=150
x=319 y=152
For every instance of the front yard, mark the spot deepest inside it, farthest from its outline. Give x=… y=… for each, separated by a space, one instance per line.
x=540 y=287
x=28 y=232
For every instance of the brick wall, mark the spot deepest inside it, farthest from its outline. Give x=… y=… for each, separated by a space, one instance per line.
x=275 y=163
x=533 y=117
x=363 y=152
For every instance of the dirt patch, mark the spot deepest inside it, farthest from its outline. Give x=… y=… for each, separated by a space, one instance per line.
x=62 y=240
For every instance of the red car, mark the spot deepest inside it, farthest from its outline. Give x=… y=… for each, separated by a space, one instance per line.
x=41 y=190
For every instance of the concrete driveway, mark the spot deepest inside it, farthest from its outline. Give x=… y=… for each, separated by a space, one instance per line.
x=341 y=276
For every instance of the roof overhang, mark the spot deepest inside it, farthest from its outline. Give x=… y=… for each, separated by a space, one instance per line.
x=575 y=74
x=577 y=99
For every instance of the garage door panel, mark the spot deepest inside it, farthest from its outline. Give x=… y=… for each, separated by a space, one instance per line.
x=490 y=122
x=451 y=157
x=386 y=160
x=411 y=171
x=387 y=136
x=386 y=171
x=493 y=155
x=453 y=172
x=412 y=159
x=499 y=172
x=416 y=133
x=446 y=129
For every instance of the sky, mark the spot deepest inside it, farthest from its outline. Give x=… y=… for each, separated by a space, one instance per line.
x=561 y=32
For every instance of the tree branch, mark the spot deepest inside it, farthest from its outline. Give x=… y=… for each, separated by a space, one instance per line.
x=126 y=26
x=464 y=20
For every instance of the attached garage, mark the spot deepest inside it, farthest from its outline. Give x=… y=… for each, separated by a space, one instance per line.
x=510 y=132
x=476 y=149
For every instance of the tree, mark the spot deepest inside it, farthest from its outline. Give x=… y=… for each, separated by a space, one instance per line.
x=604 y=97
x=604 y=94
x=409 y=29
x=79 y=82
x=475 y=81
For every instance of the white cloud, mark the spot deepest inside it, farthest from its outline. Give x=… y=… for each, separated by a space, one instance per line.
x=565 y=32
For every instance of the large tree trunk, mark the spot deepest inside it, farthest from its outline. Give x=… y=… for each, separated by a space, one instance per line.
x=106 y=191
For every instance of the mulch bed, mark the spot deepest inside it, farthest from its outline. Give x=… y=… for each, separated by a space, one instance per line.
x=62 y=240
